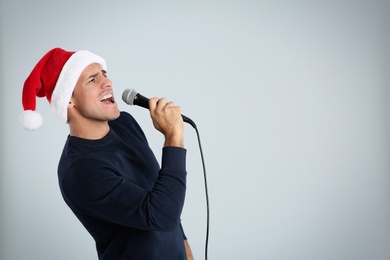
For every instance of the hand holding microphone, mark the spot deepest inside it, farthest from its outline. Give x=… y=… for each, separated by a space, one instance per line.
x=132 y=97
x=164 y=116
x=166 y=119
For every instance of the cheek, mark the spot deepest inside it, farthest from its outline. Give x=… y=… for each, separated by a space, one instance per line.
x=81 y=98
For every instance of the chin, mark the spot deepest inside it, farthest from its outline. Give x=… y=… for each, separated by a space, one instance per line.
x=115 y=115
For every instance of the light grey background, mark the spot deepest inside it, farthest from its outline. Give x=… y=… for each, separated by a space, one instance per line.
x=291 y=99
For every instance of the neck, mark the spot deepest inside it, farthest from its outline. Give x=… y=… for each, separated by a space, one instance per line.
x=92 y=131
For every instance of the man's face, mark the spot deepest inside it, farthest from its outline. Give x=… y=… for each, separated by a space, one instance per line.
x=93 y=95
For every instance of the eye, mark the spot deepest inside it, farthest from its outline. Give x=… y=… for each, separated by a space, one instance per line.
x=91 y=80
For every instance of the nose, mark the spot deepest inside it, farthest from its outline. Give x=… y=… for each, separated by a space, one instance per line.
x=107 y=83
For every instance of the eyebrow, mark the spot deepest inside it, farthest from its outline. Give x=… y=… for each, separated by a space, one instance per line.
x=96 y=74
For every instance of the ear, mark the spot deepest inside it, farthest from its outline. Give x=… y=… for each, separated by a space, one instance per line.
x=71 y=109
x=71 y=103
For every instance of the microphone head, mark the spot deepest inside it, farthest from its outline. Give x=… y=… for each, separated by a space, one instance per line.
x=128 y=96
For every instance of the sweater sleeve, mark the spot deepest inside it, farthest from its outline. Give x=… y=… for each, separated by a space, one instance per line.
x=182 y=231
x=92 y=188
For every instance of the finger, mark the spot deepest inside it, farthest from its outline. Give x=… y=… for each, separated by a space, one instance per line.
x=162 y=102
x=169 y=104
x=153 y=103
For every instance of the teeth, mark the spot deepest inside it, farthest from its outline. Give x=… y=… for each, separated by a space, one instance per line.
x=106 y=97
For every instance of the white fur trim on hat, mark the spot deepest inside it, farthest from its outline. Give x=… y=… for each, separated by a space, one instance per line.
x=67 y=81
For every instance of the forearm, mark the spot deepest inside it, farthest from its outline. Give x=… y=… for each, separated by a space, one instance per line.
x=188 y=250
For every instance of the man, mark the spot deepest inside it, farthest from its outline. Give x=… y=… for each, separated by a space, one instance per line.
x=107 y=173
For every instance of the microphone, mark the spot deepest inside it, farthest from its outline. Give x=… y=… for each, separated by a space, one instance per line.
x=132 y=97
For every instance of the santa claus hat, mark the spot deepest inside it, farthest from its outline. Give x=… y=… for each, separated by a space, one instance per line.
x=54 y=77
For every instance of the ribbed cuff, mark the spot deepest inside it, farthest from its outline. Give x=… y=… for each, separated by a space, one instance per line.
x=174 y=157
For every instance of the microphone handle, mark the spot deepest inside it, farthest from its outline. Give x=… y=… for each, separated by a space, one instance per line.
x=141 y=101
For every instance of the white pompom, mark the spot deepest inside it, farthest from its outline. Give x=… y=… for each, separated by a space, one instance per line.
x=30 y=120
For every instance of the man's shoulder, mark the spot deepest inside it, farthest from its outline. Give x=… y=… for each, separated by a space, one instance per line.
x=125 y=125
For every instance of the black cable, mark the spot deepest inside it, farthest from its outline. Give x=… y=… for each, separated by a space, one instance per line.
x=207 y=195
x=206 y=191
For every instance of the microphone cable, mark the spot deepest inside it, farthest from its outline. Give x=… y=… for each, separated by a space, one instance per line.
x=206 y=188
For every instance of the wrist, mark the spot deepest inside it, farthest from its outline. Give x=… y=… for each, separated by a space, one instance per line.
x=174 y=141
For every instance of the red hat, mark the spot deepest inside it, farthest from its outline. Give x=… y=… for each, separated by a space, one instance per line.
x=54 y=77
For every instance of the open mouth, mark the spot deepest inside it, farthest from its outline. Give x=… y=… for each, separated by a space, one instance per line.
x=109 y=98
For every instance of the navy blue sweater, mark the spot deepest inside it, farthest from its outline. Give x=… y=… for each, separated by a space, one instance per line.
x=118 y=191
